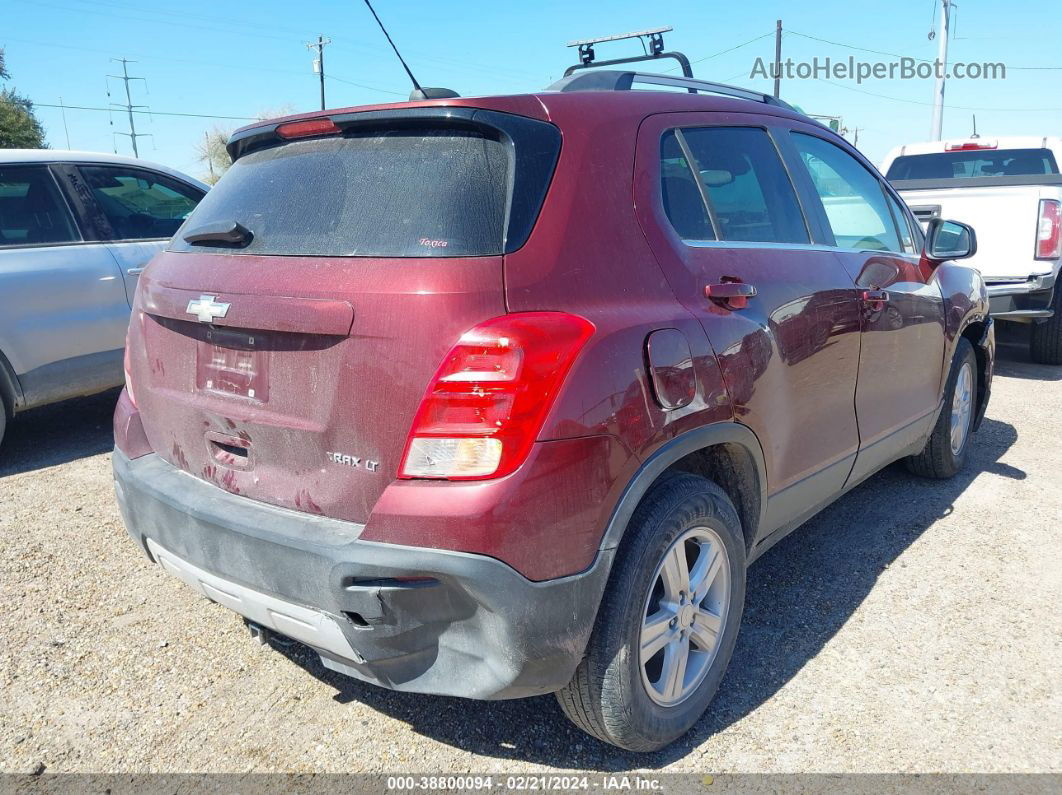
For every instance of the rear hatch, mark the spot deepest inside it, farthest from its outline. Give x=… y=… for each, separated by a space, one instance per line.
x=996 y=191
x=286 y=363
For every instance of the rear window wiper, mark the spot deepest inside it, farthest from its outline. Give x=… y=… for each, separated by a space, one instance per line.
x=219 y=233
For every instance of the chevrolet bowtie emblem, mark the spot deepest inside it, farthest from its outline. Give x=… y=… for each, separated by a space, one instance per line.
x=207 y=309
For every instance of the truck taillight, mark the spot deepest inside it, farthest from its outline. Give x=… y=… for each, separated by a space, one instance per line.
x=487 y=402
x=1048 y=233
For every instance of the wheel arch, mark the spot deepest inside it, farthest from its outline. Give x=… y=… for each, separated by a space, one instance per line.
x=727 y=453
x=979 y=332
x=11 y=397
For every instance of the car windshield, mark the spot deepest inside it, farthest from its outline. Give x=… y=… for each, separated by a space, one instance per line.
x=974 y=163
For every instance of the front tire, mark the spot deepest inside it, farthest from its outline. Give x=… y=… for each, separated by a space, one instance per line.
x=945 y=451
x=1045 y=345
x=668 y=621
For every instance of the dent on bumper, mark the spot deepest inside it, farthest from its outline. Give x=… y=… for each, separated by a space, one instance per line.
x=465 y=625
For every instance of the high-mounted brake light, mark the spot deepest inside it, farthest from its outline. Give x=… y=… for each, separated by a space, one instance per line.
x=969 y=146
x=304 y=129
x=1049 y=230
x=488 y=400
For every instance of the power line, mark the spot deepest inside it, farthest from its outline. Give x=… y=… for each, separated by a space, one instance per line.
x=929 y=104
x=724 y=52
x=212 y=64
x=371 y=88
x=901 y=55
x=147 y=112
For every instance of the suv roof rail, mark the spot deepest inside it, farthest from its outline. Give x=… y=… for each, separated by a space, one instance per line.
x=613 y=80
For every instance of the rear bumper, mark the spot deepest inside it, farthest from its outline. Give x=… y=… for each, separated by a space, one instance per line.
x=467 y=625
x=1028 y=300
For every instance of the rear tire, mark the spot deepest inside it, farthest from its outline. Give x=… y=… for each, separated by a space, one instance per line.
x=3 y=420
x=643 y=702
x=1045 y=346
x=945 y=451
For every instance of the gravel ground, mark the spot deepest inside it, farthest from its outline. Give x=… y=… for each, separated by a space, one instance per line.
x=912 y=627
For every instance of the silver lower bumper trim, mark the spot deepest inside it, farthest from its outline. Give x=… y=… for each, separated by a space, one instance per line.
x=304 y=624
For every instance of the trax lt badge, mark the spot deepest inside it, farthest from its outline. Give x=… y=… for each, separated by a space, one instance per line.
x=352 y=461
x=206 y=308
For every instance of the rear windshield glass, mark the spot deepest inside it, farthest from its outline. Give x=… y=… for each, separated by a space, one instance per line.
x=974 y=163
x=394 y=193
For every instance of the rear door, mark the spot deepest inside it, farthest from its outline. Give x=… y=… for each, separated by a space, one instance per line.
x=289 y=369
x=729 y=215
x=902 y=353
x=135 y=210
x=63 y=312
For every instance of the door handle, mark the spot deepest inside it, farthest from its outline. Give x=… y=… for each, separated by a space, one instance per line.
x=875 y=300
x=731 y=294
x=135 y=271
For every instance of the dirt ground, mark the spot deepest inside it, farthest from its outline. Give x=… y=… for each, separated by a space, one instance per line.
x=914 y=626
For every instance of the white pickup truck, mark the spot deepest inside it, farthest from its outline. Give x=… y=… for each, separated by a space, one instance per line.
x=1010 y=191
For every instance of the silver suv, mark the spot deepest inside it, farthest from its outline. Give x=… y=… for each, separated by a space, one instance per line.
x=76 y=230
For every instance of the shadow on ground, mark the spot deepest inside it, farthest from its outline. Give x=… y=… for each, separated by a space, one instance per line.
x=800 y=593
x=58 y=434
x=1012 y=355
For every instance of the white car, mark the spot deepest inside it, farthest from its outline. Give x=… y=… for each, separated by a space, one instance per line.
x=76 y=230
x=1010 y=191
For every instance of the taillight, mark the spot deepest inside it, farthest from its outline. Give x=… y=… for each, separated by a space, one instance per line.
x=127 y=360
x=1048 y=235
x=488 y=400
x=128 y=375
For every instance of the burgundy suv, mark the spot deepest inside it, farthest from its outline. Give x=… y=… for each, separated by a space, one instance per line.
x=498 y=397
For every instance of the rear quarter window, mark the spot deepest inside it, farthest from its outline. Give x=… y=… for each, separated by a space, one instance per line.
x=385 y=193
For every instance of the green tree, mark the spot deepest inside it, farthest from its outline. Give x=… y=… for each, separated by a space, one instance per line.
x=19 y=126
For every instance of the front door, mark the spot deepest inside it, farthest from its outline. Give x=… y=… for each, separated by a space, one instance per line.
x=721 y=213
x=902 y=352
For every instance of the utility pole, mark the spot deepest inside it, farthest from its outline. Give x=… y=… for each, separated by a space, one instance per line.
x=318 y=62
x=129 y=106
x=62 y=109
x=942 y=67
x=777 y=58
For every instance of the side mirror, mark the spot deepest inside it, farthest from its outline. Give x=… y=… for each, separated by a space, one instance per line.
x=949 y=240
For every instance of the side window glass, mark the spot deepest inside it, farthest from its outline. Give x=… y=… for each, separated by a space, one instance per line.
x=32 y=212
x=137 y=204
x=907 y=239
x=682 y=200
x=749 y=193
x=851 y=196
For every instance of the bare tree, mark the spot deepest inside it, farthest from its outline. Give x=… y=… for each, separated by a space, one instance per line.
x=212 y=152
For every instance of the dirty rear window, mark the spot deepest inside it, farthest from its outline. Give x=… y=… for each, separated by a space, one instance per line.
x=384 y=193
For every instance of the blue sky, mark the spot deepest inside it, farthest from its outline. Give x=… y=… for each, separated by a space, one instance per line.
x=241 y=58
